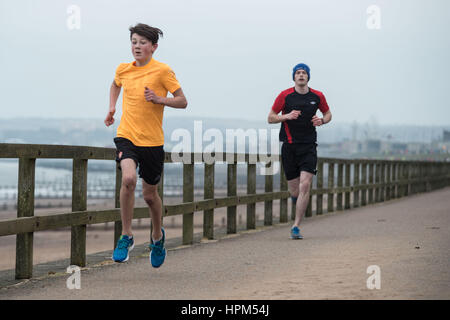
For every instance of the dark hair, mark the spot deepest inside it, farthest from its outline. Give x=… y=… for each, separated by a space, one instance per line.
x=151 y=33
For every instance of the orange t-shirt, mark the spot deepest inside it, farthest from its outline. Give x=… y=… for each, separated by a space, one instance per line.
x=141 y=121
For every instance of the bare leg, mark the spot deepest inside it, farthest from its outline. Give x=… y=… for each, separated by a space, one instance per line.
x=299 y=187
x=151 y=197
x=127 y=194
x=293 y=186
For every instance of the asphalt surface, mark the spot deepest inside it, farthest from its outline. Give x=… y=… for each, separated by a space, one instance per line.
x=408 y=239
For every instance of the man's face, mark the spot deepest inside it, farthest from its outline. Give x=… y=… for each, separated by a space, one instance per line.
x=141 y=47
x=301 y=77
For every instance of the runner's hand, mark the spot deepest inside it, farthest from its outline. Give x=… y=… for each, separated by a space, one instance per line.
x=109 y=120
x=294 y=114
x=317 y=122
x=151 y=96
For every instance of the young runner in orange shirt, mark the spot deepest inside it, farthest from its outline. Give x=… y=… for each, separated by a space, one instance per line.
x=140 y=137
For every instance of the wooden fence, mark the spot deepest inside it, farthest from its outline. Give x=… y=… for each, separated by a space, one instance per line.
x=365 y=181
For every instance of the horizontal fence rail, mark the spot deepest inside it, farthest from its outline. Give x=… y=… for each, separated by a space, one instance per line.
x=350 y=183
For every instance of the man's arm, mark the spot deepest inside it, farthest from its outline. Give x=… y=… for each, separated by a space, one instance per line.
x=275 y=118
x=178 y=101
x=327 y=117
x=114 y=93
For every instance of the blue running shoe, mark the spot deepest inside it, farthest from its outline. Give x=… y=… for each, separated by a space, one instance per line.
x=124 y=246
x=295 y=233
x=158 y=253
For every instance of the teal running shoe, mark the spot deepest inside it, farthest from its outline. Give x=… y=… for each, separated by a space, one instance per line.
x=124 y=246
x=158 y=253
x=295 y=233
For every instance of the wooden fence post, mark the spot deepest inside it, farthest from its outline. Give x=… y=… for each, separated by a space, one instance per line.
x=340 y=184
x=442 y=169
x=383 y=182
x=347 y=184
x=419 y=177
x=388 y=181
x=25 y=208
x=79 y=203
x=371 y=181
x=409 y=176
x=394 y=189
x=188 y=196
x=412 y=177
x=378 y=181
x=401 y=178
x=208 y=191
x=268 y=205
x=416 y=178
x=433 y=175
x=319 y=196
x=330 y=196
x=428 y=174
x=364 y=182
x=251 y=189
x=231 y=191
x=356 y=184
x=445 y=171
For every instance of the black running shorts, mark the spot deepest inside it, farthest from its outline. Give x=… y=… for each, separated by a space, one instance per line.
x=149 y=160
x=297 y=157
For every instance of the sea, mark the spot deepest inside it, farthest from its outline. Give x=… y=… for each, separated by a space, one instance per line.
x=54 y=182
x=53 y=179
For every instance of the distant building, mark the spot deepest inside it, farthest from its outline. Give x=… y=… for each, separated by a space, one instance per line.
x=398 y=147
x=351 y=147
x=416 y=148
x=446 y=137
x=372 y=146
x=387 y=147
x=441 y=147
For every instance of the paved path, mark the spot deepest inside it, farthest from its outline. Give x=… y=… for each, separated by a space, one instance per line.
x=409 y=239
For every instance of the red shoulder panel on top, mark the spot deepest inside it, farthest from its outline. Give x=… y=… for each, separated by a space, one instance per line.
x=323 y=105
x=278 y=105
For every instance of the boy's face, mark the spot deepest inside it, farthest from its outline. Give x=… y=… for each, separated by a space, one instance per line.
x=141 y=47
x=301 y=77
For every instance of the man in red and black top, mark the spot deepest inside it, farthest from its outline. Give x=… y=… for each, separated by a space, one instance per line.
x=298 y=106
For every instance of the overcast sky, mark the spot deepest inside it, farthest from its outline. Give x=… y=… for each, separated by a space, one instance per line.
x=232 y=57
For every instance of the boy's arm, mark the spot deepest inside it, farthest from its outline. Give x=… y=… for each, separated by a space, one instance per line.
x=114 y=93
x=178 y=101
